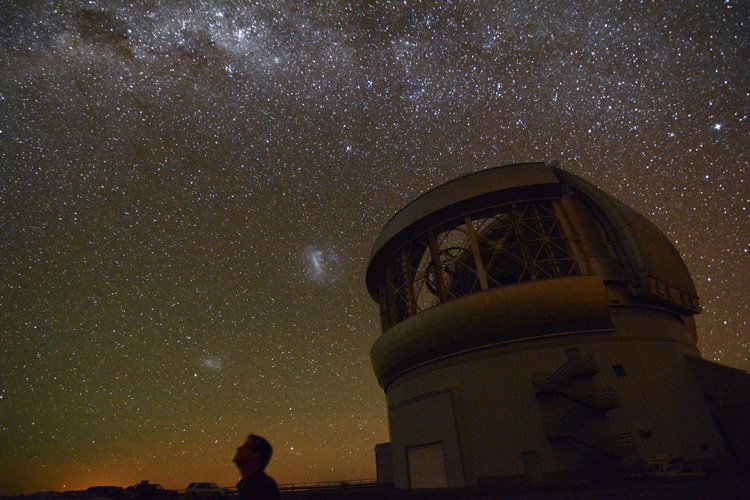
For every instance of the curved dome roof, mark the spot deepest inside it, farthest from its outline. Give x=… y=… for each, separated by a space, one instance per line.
x=652 y=264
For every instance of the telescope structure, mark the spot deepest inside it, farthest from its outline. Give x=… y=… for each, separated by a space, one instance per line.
x=535 y=330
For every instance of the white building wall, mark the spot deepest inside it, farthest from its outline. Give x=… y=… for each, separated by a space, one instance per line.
x=483 y=406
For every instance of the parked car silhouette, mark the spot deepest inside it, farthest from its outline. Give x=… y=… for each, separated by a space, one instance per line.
x=146 y=490
x=205 y=490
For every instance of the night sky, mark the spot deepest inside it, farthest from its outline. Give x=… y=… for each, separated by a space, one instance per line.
x=189 y=194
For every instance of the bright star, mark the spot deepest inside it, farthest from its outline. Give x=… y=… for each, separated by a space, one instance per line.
x=717 y=126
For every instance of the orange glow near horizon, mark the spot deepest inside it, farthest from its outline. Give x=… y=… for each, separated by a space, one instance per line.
x=190 y=190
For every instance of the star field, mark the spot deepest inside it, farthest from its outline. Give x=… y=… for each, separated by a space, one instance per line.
x=189 y=192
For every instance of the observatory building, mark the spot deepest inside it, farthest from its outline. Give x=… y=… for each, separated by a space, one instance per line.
x=537 y=330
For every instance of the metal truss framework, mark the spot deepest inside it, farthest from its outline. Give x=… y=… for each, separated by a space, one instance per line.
x=487 y=249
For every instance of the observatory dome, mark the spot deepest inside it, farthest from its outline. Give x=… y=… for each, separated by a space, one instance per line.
x=550 y=252
x=536 y=330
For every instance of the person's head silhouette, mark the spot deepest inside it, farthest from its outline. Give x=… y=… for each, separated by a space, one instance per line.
x=253 y=456
x=251 y=459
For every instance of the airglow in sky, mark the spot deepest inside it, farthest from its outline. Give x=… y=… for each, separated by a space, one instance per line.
x=190 y=190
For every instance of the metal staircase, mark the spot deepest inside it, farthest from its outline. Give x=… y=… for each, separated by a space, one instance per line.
x=550 y=382
x=617 y=445
x=586 y=404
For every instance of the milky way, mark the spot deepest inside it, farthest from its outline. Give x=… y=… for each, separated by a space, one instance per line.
x=189 y=192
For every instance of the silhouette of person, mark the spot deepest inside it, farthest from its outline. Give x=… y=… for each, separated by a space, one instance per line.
x=251 y=459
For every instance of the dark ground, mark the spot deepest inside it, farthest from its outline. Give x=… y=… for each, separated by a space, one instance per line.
x=724 y=488
x=727 y=487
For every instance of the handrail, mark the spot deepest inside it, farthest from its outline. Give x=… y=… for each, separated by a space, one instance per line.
x=550 y=382
x=614 y=445
x=573 y=367
x=603 y=398
x=320 y=485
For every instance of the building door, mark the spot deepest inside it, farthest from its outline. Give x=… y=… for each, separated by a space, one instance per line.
x=426 y=465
